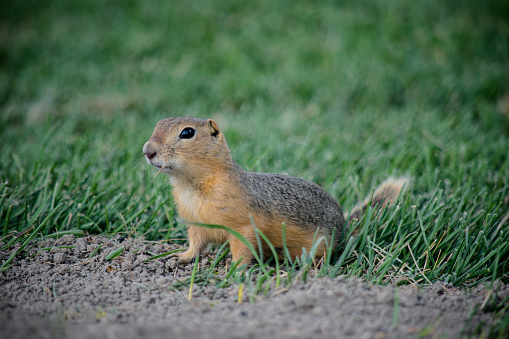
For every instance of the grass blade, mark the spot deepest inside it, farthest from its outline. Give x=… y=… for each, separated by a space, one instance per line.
x=43 y=223
x=115 y=253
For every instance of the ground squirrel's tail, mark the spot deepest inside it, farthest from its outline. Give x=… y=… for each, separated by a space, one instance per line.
x=385 y=195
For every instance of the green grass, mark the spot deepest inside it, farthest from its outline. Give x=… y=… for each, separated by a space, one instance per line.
x=344 y=94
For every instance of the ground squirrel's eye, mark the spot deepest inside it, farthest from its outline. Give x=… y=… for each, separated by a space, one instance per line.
x=187 y=133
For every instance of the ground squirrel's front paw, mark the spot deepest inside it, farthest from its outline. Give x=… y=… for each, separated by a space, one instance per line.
x=186 y=257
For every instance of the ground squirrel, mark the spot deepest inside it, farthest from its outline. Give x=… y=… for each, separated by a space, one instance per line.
x=210 y=188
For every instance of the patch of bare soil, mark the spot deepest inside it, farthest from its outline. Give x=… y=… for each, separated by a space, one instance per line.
x=76 y=293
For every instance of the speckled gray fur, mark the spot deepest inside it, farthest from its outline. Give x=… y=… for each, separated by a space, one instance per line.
x=293 y=200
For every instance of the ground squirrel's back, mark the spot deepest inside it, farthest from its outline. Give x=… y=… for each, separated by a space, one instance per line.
x=294 y=201
x=210 y=188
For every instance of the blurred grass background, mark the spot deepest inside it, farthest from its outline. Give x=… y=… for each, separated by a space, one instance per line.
x=341 y=93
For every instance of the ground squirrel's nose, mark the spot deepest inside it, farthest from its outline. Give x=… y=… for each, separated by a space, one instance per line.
x=149 y=149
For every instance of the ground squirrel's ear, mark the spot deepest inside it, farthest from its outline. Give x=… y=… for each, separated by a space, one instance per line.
x=214 y=129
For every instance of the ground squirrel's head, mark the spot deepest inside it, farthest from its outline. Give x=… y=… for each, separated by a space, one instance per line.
x=188 y=147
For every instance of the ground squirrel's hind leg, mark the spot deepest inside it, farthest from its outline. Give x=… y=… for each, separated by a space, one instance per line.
x=239 y=250
x=197 y=241
x=386 y=194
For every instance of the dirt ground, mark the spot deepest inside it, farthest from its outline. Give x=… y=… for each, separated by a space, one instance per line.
x=67 y=293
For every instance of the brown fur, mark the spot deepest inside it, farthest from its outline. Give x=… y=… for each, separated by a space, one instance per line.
x=210 y=188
